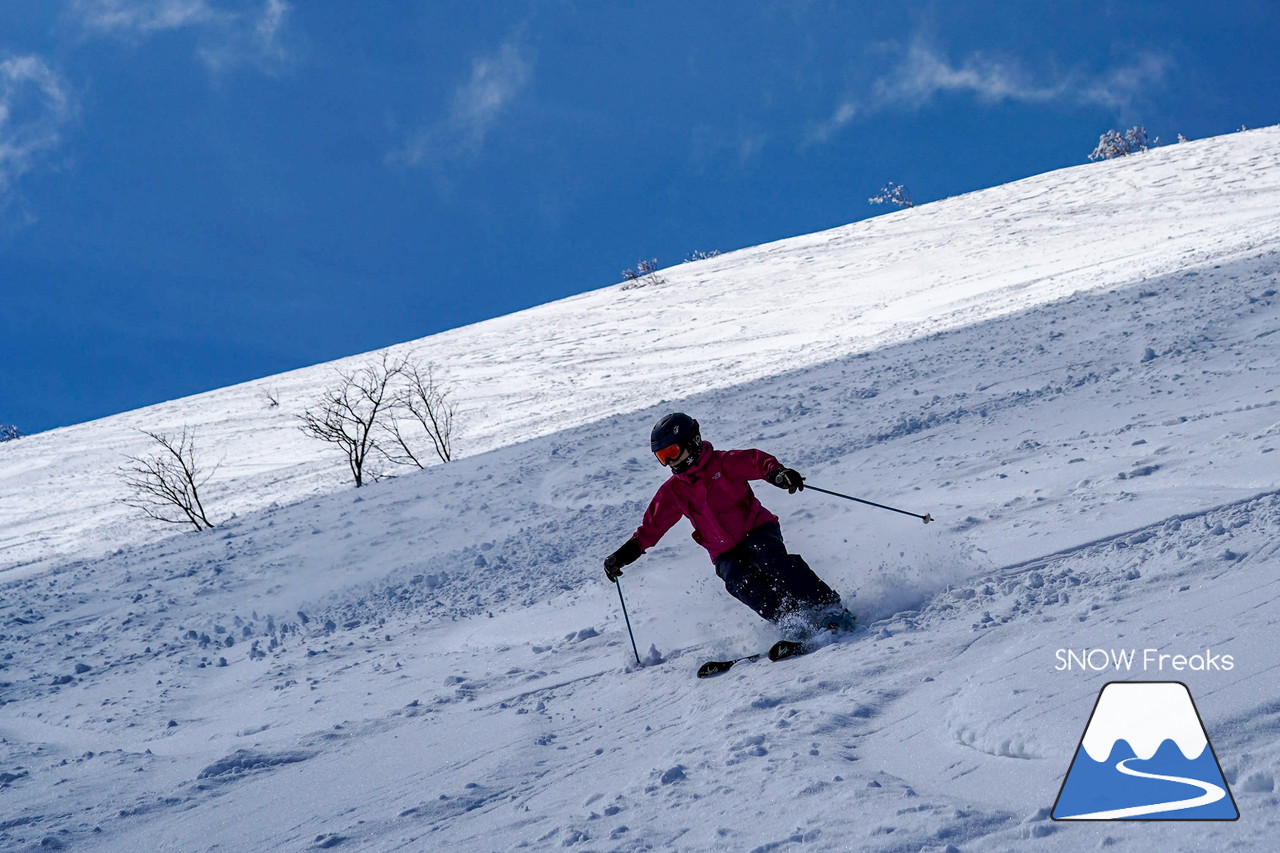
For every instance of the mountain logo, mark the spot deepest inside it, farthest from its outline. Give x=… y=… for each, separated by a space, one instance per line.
x=1145 y=755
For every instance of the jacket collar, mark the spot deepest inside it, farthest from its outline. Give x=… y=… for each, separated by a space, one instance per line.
x=691 y=474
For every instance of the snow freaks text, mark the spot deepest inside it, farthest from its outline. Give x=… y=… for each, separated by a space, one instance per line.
x=1143 y=660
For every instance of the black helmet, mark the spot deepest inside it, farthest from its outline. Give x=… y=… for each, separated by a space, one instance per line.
x=676 y=430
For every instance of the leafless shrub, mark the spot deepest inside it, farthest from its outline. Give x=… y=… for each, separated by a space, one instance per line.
x=373 y=414
x=426 y=405
x=892 y=193
x=699 y=255
x=1112 y=144
x=645 y=273
x=351 y=414
x=166 y=485
x=271 y=397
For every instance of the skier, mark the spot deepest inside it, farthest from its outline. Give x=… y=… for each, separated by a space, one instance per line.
x=710 y=488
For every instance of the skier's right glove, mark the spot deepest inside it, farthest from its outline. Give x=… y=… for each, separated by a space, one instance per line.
x=624 y=556
x=786 y=478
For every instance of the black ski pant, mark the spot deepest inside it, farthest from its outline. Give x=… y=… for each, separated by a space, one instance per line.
x=762 y=575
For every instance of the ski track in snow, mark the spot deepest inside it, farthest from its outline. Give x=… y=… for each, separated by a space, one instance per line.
x=435 y=662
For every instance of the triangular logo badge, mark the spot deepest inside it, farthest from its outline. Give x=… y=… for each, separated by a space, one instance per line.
x=1145 y=755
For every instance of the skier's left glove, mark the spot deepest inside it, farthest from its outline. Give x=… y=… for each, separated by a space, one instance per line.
x=786 y=478
x=624 y=556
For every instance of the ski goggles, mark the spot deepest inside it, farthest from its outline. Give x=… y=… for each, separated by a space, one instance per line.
x=669 y=454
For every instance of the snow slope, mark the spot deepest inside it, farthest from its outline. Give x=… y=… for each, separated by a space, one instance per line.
x=1074 y=374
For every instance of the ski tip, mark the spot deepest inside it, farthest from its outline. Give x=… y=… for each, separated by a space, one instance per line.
x=714 y=667
x=785 y=649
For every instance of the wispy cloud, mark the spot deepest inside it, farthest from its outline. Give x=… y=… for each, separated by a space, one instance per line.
x=1123 y=85
x=141 y=17
x=716 y=147
x=35 y=106
x=250 y=34
x=923 y=73
x=255 y=40
x=477 y=106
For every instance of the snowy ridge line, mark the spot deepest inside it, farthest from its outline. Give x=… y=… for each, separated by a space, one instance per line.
x=941 y=266
x=1042 y=561
x=901 y=363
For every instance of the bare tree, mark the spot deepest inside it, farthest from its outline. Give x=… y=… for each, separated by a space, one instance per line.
x=892 y=193
x=645 y=273
x=352 y=414
x=427 y=403
x=166 y=485
x=700 y=255
x=1112 y=144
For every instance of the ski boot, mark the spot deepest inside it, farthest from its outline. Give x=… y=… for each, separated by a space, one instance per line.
x=837 y=620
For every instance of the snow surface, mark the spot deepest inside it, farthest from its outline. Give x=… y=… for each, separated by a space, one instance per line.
x=1075 y=374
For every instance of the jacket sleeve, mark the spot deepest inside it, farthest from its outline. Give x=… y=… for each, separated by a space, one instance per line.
x=749 y=464
x=660 y=517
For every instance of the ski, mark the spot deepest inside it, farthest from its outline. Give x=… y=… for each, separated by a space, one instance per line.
x=715 y=667
x=784 y=649
x=780 y=650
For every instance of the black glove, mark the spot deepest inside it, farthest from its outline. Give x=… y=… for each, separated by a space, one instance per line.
x=786 y=478
x=624 y=556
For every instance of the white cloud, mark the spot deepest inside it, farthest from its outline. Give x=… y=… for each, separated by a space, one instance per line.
x=252 y=40
x=249 y=35
x=844 y=113
x=34 y=108
x=496 y=81
x=272 y=22
x=923 y=73
x=1122 y=85
x=130 y=17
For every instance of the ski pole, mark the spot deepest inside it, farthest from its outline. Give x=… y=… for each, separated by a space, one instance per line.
x=926 y=518
x=628 y=620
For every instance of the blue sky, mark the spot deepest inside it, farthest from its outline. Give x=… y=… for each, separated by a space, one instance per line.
x=195 y=193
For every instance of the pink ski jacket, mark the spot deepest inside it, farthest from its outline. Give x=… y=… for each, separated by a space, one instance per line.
x=715 y=496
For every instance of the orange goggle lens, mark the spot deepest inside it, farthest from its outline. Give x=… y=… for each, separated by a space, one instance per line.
x=668 y=454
